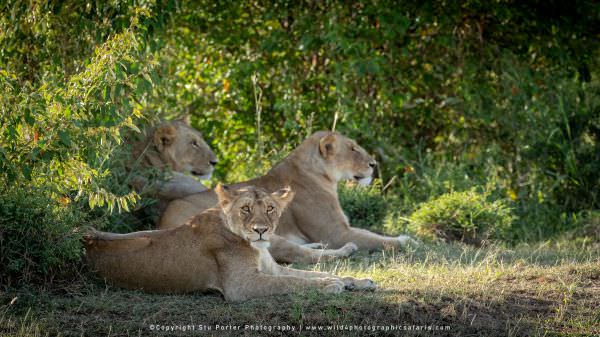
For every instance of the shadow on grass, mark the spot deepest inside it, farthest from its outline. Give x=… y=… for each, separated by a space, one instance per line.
x=421 y=290
x=95 y=312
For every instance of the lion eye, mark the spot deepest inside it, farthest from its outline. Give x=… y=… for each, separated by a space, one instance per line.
x=355 y=149
x=270 y=209
x=195 y=144
x=246 y=209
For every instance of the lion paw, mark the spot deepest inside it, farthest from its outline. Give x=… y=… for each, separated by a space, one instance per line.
x=406 y=240
x=365 y=284
x=349 y=248
x=331 y=286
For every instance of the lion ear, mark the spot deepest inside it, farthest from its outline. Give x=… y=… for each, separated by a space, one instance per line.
x=224 y=194
x=164 y=136
x=185 y=120
x=284 y=196
x=327 y=145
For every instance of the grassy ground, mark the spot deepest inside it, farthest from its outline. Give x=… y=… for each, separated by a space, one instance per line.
x=541 y=290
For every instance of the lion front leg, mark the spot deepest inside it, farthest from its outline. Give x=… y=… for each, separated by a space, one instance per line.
x=350 y=283
x=286 y=251
x=179 y=186
x=370 y=241
x=238 y=288
x=314 y=245
x=269 y=266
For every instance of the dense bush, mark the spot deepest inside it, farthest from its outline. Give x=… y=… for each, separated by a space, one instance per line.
x=462 y=216
x=39 y=237
x=365 y=207
x=586 y=226
x=66 y=104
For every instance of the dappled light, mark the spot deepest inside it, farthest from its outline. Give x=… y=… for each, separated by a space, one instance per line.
x=442 y=158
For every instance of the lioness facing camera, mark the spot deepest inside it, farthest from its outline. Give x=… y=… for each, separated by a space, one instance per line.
x=313 y=171
x=223 y=248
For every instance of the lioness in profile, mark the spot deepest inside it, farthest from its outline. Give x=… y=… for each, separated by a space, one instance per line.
x=179 y=148
x=223 y=248
x=313 y=171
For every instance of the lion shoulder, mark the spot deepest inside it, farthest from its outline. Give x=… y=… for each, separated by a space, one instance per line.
x=210 y=227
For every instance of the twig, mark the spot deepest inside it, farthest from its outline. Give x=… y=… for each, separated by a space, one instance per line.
x=258 y=107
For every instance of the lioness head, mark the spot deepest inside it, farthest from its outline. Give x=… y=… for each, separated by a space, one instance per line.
x=183 y=149
x=345 y=158
x=252 y=213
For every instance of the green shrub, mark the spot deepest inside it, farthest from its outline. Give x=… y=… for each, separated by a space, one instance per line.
x=38 y=236
x=584 y=226
x=462 y=216
x=365 y=207
x=430 y=177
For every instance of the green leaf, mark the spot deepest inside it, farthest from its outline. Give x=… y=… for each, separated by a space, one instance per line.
x=65 y=138
x=29 y=118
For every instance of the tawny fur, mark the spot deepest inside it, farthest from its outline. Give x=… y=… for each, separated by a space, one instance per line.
x=179 y=148
x=215 y=250
x=312 y=170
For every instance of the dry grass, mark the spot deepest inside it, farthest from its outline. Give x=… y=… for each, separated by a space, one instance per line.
x=542 y=290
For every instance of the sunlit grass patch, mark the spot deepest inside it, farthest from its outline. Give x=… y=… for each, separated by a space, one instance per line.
x=536 y=290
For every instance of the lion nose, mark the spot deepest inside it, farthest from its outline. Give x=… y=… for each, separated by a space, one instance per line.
x=373 y=164
x=260 y=230
x=214 y=162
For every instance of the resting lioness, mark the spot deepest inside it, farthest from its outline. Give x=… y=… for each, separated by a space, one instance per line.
x=312 y=170
x=223 y=248
x=178 y=147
